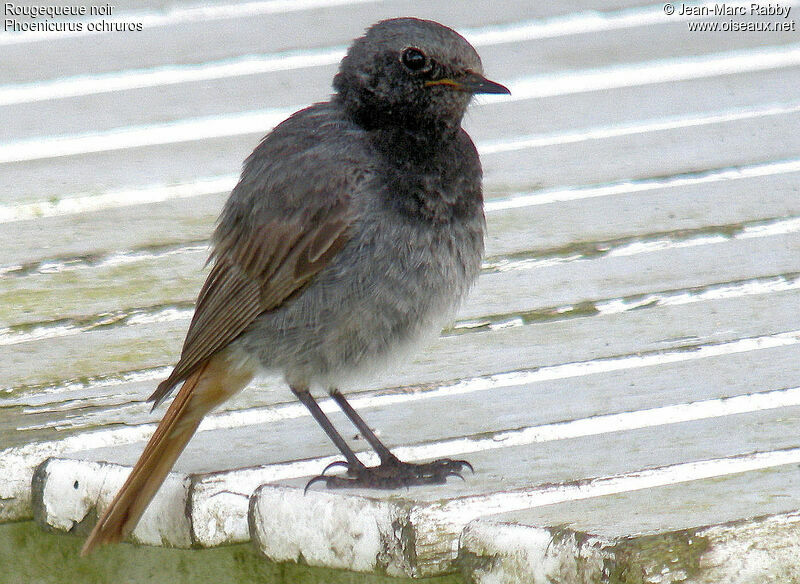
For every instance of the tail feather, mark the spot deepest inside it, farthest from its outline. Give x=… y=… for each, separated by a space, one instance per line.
x=170 y=438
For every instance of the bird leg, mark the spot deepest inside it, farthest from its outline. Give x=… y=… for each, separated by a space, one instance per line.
x=308 y=400
x=391 y=473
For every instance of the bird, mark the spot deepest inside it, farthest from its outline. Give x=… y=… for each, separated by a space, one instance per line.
x=356 y=227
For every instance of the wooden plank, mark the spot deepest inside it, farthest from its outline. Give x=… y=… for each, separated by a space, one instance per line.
x=392 y=412
x=551 y=160
x=648 y=385
x=577 y=109
x=439 y=514
x=103 y=171
x=271 y=501
x=681 y=150
x=191 y=42
x=167 y=102
x=505 y=457
x=513 y=451
x=671 y=507
x=164 y=279
x=147 y=282
x=78 y=408
x=559 y=55
x=704 y=528
x=70 y=410
x=679 y=268
x=20 y=190
x=89 y=419
x=171 y=223
x=629 y=211
x=102 y=351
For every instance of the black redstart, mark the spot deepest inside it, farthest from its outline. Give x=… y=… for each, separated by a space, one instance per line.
x=357 y=226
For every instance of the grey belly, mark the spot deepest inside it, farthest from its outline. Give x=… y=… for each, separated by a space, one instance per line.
x=378 y=295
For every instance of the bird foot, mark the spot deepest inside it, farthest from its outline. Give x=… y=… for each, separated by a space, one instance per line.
x=392 y=474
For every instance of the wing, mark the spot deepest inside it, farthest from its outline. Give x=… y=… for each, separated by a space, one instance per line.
x=268 y=246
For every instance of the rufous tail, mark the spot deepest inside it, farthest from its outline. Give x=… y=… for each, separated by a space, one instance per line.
x=203 y=390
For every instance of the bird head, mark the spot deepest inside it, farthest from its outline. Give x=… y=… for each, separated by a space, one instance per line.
x=411 y=72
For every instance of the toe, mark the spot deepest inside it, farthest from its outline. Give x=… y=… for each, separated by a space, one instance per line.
x=334 y=464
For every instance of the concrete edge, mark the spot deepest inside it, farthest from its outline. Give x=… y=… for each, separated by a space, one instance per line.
x=761 y=549
x=18 y=463
x=215 y=504
x=333 y=530
x=68 y=495
x=17 y=469
x=401 y=537
x=219 y=501
x=499 y=552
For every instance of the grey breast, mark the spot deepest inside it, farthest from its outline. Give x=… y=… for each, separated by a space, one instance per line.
x=396 y=279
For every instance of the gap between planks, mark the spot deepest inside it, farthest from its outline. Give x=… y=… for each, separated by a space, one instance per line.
x=536 y=87
x=34 y=331
x=80 y=203
x=587 y=22
x=589 y=426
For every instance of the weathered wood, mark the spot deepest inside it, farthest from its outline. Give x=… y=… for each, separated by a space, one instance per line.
x=552 y=161
x=591 y=109
x=661 y=385
x=171 y=275
x=631 y=213
x=632 y=341
x=419 y=531
x=681 y=150
x=104 y=352
x=701 y=530
x=250 y=34
x=636 y=211
x=505 y=468
x=306 y=84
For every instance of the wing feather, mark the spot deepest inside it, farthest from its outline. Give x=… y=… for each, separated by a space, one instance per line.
x=255 y=271
x=284 y=222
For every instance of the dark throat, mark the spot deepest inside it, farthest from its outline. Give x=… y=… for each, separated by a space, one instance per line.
x=373 y=115
x=428 y=172
x=429 y=176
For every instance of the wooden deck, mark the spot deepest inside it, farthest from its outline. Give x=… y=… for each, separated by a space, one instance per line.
x=625 y=376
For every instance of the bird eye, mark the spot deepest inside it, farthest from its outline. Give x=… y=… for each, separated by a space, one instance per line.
x=414 y=59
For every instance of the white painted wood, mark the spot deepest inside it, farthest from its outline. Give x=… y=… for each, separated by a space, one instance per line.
x=703 y=533
x=70 y=491
x=592 y=107
x=435 y=527
x=218 y=144
x=262 y=33
x=170 y=275
x=106 y=352
x=353 y=533
x=507 y=459
x=632 y=342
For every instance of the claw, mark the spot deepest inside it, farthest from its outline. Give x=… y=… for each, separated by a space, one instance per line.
x=392 y=474
x=335 y=464
x=456 y=463
x=467 y=464
x=316 y=479
x=333 y=481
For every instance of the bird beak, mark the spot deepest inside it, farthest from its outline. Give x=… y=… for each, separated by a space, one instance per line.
x=471 y=83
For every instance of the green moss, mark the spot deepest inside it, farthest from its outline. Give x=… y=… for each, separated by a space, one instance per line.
x=472 y=564
x=29 y=555
x=594 y=249
x=644 y=559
